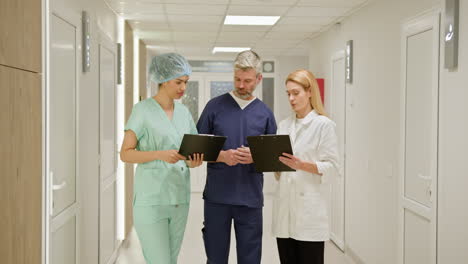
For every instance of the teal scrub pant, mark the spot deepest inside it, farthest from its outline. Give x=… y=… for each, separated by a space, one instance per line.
x=160 y=229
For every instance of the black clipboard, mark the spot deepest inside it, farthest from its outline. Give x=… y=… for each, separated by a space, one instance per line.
x=267 y=149
x=209 y=145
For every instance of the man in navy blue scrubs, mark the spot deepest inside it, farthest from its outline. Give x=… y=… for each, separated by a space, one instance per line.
x=234 y=191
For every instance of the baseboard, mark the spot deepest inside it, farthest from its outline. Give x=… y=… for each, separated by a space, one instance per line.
x=352 y=257
x=114 y=256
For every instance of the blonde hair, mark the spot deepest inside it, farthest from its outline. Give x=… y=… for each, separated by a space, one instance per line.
x=307 y=80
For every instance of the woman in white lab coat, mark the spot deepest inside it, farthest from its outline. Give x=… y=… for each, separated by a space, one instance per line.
x=300 y=221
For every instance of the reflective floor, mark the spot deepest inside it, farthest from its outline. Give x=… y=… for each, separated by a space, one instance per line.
x=193 y=252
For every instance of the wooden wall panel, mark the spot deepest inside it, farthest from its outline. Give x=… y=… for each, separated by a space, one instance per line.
x=21 y=166
x=20 y=31
x=129 y=173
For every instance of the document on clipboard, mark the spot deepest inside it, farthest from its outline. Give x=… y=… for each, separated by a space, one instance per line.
x=208 y=145
x=267 y=149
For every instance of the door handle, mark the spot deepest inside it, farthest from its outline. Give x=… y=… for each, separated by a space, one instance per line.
x=423 y=177
x=60 y=186
x=54 y=187
x=429 y=187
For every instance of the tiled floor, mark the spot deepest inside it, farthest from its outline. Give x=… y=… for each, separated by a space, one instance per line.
x=193 y=252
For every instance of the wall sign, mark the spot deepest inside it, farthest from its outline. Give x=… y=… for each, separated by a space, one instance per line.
x=451 y=34
x=119 y=63
x=349 y=62
x=86 y=42
x=268 y=66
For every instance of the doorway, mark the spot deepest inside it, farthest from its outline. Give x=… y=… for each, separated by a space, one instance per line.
x=419 y=133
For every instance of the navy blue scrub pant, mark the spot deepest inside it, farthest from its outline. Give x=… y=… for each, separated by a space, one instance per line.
x=217 y=233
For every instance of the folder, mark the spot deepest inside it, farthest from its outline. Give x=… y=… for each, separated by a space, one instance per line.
x=209 y=145
x=267 y=149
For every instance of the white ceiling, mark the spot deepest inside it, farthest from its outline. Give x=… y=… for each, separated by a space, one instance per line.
x=194 y=27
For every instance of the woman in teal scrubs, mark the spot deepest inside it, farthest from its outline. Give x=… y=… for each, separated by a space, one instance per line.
x=153 y=135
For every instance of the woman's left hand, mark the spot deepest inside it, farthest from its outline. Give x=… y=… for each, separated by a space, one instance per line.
x=196 y=161
x=291 y=161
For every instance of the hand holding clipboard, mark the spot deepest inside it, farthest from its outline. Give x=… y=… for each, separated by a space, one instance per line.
x=208 y=145
x=267 y=149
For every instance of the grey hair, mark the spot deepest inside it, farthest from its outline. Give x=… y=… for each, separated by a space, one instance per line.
x=248 y=59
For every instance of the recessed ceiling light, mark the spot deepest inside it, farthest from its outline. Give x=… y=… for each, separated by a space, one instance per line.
x=229 y=49
x=251 y=20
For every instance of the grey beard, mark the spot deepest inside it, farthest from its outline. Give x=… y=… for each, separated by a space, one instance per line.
x=243 y=97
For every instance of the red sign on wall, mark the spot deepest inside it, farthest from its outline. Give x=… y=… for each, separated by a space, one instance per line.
x=321 y=83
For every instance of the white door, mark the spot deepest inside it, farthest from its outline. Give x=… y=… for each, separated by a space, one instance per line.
x=62 y=141
x=420 y=92
x=108 y=154
x=337 y=183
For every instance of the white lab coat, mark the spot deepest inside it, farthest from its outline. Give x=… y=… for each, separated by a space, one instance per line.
x=299 y=210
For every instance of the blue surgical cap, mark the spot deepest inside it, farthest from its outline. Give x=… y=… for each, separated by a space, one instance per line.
x=168 y=66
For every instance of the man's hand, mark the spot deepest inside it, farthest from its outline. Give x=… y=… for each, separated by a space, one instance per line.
x=228 y=157
x=244 y=156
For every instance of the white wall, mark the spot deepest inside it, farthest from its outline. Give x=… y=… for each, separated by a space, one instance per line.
x=284 y=66
x=372 y=121
x=103 y=24
x=453 y=159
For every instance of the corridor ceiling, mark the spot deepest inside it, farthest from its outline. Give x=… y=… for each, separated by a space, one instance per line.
x=194 y=27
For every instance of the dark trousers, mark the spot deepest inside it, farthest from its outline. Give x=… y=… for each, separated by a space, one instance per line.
x=217 y=233
x=293 y=251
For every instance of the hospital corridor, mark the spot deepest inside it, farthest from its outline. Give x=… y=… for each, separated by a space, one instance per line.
x=233 y=131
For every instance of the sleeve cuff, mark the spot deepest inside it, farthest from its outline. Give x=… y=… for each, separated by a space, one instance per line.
x=322 y=169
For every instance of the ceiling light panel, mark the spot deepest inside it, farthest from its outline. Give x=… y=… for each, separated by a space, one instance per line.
x=240 y=28
x=229 y=49
x=188 y=2
x=251 y=20
x=263 y=2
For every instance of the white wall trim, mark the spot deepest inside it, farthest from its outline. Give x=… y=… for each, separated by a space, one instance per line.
x=352 y=257
x=330 y=101
x=114 y=256
x=44 y=93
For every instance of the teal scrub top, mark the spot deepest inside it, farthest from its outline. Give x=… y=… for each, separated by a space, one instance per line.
x=158 y=182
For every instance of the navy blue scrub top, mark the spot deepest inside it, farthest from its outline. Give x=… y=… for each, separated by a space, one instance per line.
x=239 y=184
